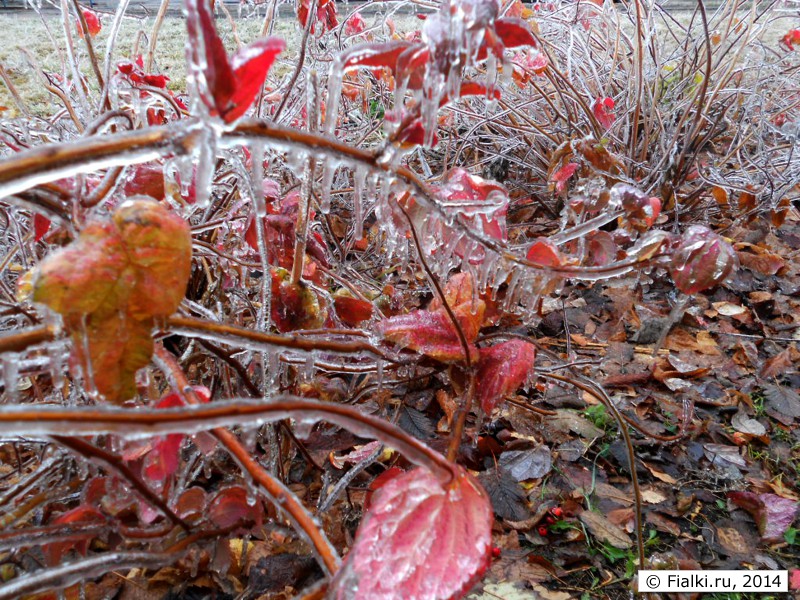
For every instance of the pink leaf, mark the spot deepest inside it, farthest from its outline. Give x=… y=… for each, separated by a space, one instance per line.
x=794 y=579
x=544 y=254
x=773 y=514
x=481 y=204
x=419 y=540
x=355 y=456
x=561 y=176
x=701 y=260
x=355 y=24
x=603 y=111
x=502 y=369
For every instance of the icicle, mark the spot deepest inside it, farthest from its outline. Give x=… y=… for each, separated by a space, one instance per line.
x=11 y=377
x=205 y=156
x=379 y=374
x=328 y=175
x=334 y=94
x=257 y=170
x=308 y=367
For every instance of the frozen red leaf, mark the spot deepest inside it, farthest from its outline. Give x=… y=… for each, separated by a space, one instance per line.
x=355 y=456
x=146 y=179
x=430 y=333
x=514 y=32
x=235 y=505
x=544 y=254
x=562 y=175
x=111 y=283
x=479 y=203
x=641 y=210
x=232 y=84
x=603 y=110
x=251 y=65
x=92 y=23
x=355 y=24
x=419 y=540
x=791 y=38
x=294 y=305
x=502 y=369
x=41 y=225
x=773 y=514
x=701 y=260
x=80 y=515
x=351 y=311
x=375 y=55
x=325 y=14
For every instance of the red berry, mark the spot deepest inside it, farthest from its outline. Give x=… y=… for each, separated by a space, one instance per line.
x=543 y=531
x=556 y=511
x=496 y=552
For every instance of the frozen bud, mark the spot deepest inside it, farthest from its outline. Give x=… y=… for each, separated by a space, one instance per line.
x=701 y=260
x=641 y=210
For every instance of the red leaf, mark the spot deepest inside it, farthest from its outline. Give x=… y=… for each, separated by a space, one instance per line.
x=326 y=14
x=514 y=32
x=233 y=85
x=233 y=505
x=502 y=369
x=251 y=65
x=294 y=305
x=163 y=460
x=219 y=75
x=481 y=204
x=430 y=333
x=603 y=111
x=355 y=24
x=419 y=540
x=701 y=260
x=544 y=254
x=146 y=179
x=383 y=55
x=41 y=225
x=773 y=514
x=561 y=176
x=474 y=88
x=80 y=515
x=380 y=481
x=641 y=210
x=92 y=23
x=413 y=134
x=352 y=311
x=791 y=38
